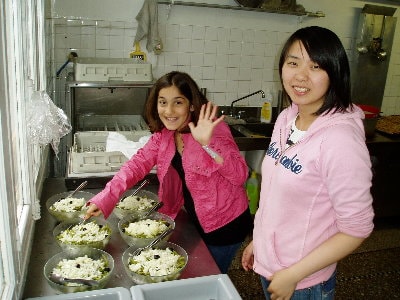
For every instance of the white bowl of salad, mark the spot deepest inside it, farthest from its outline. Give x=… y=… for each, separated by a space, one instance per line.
x=163 y=262
x=91 y=264
x=63 y=208
x=137 y=205
x=75 y=238
x=140 y=232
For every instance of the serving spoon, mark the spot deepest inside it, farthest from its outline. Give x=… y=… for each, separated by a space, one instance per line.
x=81 y=186
x=145 y=182
x=62 y=280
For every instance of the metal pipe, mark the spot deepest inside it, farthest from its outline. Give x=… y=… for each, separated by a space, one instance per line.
x=258 y=92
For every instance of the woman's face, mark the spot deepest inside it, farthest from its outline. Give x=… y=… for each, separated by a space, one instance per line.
x=173 y=108
x=304 y=81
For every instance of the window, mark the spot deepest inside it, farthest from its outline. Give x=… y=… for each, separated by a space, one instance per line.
x=21 y=72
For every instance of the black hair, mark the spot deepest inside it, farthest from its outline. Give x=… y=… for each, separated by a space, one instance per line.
x=324 y=48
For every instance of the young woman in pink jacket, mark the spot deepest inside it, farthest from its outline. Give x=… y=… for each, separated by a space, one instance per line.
x=315 y=203
x=199 y=166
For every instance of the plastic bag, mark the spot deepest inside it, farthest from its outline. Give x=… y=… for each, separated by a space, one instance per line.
x=46 y=123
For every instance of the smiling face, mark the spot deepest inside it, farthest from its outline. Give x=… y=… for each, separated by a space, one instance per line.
x=304 y=81
x=173 y=108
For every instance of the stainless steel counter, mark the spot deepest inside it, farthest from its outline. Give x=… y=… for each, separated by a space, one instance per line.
x=200 y=261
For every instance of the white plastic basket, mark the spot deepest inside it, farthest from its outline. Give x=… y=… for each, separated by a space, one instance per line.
x=88 y=154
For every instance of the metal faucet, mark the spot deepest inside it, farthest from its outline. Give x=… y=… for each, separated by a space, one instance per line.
x=258 y=92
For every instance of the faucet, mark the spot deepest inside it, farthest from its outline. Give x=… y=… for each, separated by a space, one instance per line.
x=258 y=92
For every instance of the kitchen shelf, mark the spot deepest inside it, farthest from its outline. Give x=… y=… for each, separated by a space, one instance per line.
x=317 y=14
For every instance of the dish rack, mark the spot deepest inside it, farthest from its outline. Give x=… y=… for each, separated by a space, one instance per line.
x=88 y=152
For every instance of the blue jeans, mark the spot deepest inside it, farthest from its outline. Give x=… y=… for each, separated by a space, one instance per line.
x=322 y=291
x=223 y=255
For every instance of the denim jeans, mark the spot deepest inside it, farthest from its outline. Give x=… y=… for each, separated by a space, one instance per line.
x=322 y=291
x=223 y=255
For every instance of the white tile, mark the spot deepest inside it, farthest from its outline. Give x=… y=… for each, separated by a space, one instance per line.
x=231 y=86
x=248 y=35
x=172 y=31
x=222 y=47
x=116 y=42
x=257 y=62
x=211 y=34
x=185 y=45
x=118 y=54
x=196 y=72
x=233 y=60
x=220 y=73
x=221 y=60
x=210 y=60
x=171 y=45
x=199 y=33
x=88 y=41
x=248 y=49
x=102 y=42
x=222 y=33
x=88 y=30
x=196 y=59
x=184 y=59
x=245 y=73
x=233 y=74
x=236 y=34
x=246 y=60
x=185 y=31
x=198 y=46
x=210 y=47
x=102 y=53
x=220 y=86
x=208 y=72
x=235 y=48
x=258 y=49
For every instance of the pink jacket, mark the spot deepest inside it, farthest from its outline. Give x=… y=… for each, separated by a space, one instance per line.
x=313 y=190
x=217 y=190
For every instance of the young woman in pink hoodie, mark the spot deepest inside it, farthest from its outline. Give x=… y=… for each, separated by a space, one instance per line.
x=199 y=166
x=315 y=203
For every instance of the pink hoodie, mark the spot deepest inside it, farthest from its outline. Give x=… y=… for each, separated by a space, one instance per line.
x=217 y=189
x=318 y=187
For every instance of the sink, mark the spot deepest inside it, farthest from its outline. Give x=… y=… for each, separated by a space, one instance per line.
x=235 y=132
x=252 y=130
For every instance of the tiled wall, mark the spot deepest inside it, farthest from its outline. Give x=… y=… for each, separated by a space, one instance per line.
x=228 y=58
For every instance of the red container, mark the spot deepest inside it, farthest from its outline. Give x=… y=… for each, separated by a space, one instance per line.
x=370 y=111
x=371 y=117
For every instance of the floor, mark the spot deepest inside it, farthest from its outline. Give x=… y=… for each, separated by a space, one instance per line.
x=371 y=272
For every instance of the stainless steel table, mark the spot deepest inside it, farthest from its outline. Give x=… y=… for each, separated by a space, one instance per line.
x=200 y=261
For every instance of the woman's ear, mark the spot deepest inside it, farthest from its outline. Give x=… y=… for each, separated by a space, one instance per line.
x=191 y=108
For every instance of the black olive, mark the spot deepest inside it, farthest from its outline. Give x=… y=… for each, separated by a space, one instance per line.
x=78 y=266
x=156 y=256
x=107 y=269
x=100 y=226
x=70 y=202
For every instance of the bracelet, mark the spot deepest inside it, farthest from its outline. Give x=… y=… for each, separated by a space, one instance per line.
x=210 y=151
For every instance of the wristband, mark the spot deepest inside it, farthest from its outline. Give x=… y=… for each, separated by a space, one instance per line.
x=210 y=151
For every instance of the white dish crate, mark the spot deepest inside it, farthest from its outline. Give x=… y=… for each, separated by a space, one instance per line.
x=112 y=69
x=88 y=153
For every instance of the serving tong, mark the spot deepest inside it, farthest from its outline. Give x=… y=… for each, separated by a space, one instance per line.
x=153 y=242
x=62 y=280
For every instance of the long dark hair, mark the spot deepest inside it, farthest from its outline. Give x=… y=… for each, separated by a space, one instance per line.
x=324 y=48
x=186 y=85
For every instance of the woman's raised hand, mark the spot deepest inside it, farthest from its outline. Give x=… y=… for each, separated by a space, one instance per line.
x=206 y=124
